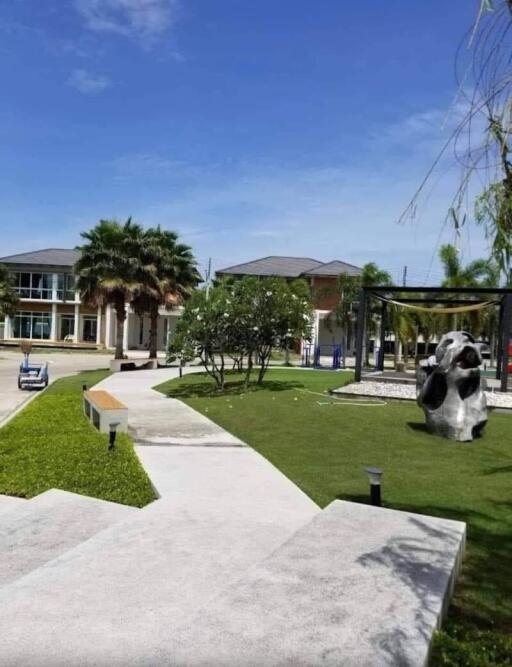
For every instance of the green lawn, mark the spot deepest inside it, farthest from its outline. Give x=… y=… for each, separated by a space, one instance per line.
x=50 y=444
x=323 y=444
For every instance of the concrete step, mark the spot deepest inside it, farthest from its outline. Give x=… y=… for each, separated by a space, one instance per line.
x=8 y=503
x=38 y=530
x=358 y=586
x=117 y=598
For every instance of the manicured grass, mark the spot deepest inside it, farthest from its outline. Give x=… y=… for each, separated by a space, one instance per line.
x=322 y=445
x=50 y=444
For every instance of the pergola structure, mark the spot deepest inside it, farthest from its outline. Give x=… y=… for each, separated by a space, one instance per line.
x=499 y=297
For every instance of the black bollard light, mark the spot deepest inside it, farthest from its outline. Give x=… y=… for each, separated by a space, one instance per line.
x=84 y=387
x=112 y=435
x=375 y=477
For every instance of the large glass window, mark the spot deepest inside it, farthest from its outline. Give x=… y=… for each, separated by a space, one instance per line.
x=70 y=287
x=67 y=326
x=33 y=285
x=32 y=325
x=90 y=328
x=66 y=287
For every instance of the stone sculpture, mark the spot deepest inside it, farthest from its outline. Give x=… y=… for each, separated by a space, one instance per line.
x=448 y=388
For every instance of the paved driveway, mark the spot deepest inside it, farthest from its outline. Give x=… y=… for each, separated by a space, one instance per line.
x=59 y=364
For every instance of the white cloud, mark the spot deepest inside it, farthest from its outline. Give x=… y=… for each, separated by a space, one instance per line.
x=140 y=20
x=87 y=83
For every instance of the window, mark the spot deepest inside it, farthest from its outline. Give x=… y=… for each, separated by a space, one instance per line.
x=34 y=285
x=32 y=325
x=90 y=328
x=70 y=286
x=65 y=287
x=67 y=326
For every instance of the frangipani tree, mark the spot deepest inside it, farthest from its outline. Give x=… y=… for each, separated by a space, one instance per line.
x=246 y=318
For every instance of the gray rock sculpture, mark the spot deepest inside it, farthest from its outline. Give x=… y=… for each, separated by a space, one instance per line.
x=448 y=388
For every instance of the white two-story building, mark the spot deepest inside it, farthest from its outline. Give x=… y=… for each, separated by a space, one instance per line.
x=51 y=312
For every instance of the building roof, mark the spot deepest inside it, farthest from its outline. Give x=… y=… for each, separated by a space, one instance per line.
x=334 y=268
x=46 y=257
x=290 y=267
x=286 y=267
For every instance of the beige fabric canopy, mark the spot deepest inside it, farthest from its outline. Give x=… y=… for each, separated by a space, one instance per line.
x=441 y=310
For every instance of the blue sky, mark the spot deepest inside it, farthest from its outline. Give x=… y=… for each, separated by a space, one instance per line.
x=252 y=128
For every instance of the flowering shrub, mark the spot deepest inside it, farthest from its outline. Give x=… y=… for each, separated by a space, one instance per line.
x=246 y=319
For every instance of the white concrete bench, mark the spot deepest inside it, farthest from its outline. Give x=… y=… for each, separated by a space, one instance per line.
x=117 y=365
x=103 y=410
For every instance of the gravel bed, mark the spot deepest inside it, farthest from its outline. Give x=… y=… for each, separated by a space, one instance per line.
x=408 y=393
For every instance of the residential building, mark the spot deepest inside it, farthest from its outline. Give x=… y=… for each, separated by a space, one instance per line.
x=321 y=277
x=51 y=312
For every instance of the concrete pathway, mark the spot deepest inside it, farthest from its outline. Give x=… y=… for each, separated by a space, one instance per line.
x=119 y=597
x=233 y=565
x=194 y=463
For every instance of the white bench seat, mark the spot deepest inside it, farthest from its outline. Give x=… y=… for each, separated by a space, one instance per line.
x=103 y=410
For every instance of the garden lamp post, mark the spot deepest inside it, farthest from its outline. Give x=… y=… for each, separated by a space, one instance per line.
x=375 y=477
x=112 y=434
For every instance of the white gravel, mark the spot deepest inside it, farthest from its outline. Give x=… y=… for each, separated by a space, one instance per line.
x=408 y=392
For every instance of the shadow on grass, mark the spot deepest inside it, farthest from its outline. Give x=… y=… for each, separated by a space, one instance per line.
x=500 y=470
x=207 y=388
x=418 y=426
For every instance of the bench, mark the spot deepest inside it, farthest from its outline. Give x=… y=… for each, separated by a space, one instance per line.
x=103 y=410
x=117 y=365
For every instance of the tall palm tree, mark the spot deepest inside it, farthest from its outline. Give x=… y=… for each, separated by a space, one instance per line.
x=176 y=273
x=347 y=289
x=113 y=268
x=458 y=275
x=8 y=295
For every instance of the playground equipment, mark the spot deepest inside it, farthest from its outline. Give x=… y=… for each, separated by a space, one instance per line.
x=31 y=375
x=312 y=355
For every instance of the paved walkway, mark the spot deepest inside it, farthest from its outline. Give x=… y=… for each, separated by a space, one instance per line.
x=196 y=464
x=119 y=597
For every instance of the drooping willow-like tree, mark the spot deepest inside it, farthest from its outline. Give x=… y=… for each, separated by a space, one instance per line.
x=481 y=141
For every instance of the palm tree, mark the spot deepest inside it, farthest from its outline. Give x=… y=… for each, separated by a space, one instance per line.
x=8 y=295
x=347 y=289
x=457 y=275
x=372 y=276
x=112 y=269
x=176 y=273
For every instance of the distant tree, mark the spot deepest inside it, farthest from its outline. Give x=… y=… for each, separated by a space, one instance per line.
x=246 y=318
x=111 y=269
x=8 y=295
x=176 y=276
x=493 y=211
x=281 y=314
x=347 y=290
x=203 y=331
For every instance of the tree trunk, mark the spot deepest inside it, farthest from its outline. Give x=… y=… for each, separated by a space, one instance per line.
x=249 y=370
x=153 y=332
x=120 y=319
x=398 y=348
x=264 y=359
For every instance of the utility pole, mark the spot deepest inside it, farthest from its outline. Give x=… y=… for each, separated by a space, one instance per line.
x=404 y=277
x=208 y=276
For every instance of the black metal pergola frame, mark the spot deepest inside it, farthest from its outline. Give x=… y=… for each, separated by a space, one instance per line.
x=502 y=296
